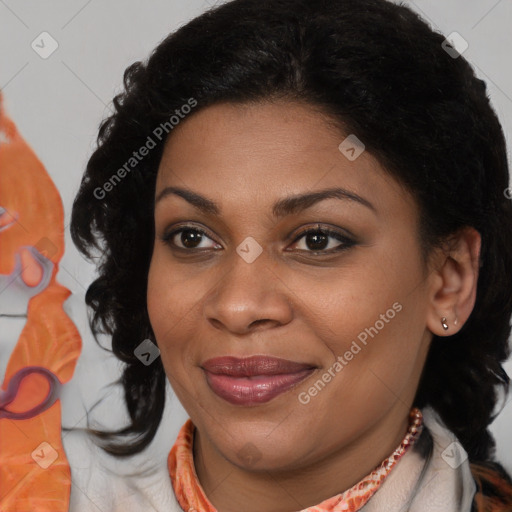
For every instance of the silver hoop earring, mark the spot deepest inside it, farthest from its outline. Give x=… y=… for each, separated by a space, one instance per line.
x=443 y=323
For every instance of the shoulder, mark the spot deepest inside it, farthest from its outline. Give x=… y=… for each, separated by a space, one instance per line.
x=100 y=482
x=494 y=487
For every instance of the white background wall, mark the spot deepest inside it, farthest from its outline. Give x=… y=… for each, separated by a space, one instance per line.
x=59 y=102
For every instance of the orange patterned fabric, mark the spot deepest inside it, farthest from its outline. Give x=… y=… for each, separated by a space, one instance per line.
x=34 y=471
x=191 y=496
x=494 y=493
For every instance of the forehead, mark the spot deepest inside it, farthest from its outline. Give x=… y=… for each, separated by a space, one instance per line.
x=259 y=152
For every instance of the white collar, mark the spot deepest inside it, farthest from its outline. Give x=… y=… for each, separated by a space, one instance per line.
x=441 y=482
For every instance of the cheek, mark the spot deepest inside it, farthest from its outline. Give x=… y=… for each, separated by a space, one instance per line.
x=347 y=301
x=173 y=302
x=164 y=310
x=156 y=293
x=371 y=316
x=169 y=294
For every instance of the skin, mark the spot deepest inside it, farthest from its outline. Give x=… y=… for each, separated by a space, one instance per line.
x=293 y=303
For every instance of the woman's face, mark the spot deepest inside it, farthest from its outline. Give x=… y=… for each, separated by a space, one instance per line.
x=353 y=308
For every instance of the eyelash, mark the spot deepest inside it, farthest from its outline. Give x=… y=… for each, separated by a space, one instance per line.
x=346 y=242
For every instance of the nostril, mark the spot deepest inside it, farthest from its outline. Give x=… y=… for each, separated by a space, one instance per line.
x=258 y=322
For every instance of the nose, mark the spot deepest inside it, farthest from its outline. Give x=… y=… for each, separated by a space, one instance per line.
x=249 y=297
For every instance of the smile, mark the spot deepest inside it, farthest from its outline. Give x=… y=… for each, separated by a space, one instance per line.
x=253 y=380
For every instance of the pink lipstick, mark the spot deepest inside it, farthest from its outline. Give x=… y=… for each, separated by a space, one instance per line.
x=253 y=380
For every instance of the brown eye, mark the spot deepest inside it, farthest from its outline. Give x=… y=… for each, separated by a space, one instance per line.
x=323 y=240
x=189 y=238
x=316 y=241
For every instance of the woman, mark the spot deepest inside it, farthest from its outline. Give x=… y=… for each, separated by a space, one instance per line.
x=302 y=214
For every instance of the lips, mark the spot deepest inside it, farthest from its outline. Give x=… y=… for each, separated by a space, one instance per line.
x=255 y=379
x=251 y=366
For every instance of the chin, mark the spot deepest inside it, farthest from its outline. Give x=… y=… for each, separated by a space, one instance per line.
x=260 y=453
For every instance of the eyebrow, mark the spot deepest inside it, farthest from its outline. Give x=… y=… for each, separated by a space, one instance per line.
x=285 y=206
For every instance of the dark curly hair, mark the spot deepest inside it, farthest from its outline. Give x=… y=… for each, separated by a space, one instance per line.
x=378 y=70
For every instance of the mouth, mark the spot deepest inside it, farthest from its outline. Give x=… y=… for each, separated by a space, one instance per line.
x=253 y=380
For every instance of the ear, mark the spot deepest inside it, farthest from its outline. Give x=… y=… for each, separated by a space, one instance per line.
x=453 y=283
